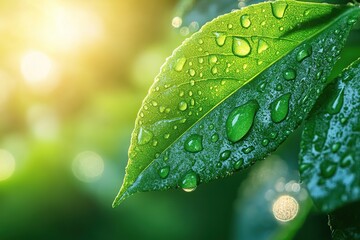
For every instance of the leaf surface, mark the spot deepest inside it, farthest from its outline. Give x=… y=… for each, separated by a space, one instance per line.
x=252 y=64
x=330 y=148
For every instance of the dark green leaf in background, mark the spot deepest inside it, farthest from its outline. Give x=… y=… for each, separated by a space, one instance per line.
x=330 y=151
x=248 y=66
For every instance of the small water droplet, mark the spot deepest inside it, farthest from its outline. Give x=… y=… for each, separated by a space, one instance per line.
x=215 y=137
x=230 y=26
x=265 y=142
x=164 y=172
x=194 y=143
x=318 y=74
x=144 y=136
x=179 y=65
x=273 y=135
x=289 y=74
x=278 y=8
x=346 y=161
x=241 y=47
x=304 y=167
x=155 y=143
x=218 y=165
x=261 y=87
x=192 y=72
x=278 y=87
x=189 y=182
x=220 y=38
x=280 y=108
x=327 y=169
x=182 y=106
x=351 y=21
x=262 y=46
x=304 y=53
x=167 y=135
x=201 y=60
x=245 y=21
x=225 y=155
x=336 y=102
x=161 y=109
x=335 y=147
x=248 y=150
x=240 y=120
x=214 y=70
x=154 y=103
x=238 y=164
x=192 y=82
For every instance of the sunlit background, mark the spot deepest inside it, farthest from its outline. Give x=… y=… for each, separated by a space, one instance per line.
x=72 y=77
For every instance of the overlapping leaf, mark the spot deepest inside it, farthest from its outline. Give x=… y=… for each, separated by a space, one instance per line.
x=250 y=66
x=330 y=152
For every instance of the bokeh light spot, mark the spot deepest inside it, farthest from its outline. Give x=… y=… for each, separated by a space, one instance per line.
x=7 y=164
x=285 y=208
x=36 y=67
x=88 y=166
x=176 y=22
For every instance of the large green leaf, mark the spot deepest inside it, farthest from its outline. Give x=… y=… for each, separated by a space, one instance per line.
x=330 y=148
x=263 y=65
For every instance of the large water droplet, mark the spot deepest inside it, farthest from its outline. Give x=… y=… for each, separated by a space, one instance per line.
x=327 y=169
x=262 y=46
x=304 y=53
x=225 y=155
x=240 y=120
x=164 y=172
x=289 y=74
x=241 y=47
x=336 y=103
x=144 y=136
x=194 y=143
x=245 y=21
x=280 y=108
x=278 y=9
x=182 y=106
x=179 y=65
x=220 y=38
x=189 y=182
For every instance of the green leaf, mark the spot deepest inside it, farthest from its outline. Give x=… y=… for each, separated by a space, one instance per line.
x=330 y=148
x=259 y=54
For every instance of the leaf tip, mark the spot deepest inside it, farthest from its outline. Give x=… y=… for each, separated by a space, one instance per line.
x=121 y=196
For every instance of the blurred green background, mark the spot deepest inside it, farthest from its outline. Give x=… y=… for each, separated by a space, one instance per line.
x=72 y=77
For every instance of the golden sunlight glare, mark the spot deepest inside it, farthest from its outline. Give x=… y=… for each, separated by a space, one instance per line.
x=36 y=67
x=7 y=164
x=285 y=208
x=88 y=166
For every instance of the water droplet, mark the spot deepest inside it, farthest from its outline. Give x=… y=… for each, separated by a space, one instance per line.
x=161 y=109
x=238 y=164
x=273 y=135
x=241 y=47
x=189 y=182
x=167 y=135
x=192 y=72
x=261 y=87
x=192 y=82
x=278 y=9
x=154 y=103
x=351 y=21
x=194 y=143
x=346 y=161
x=280 y=108
x=214 y=70
x=304 y=167
x=201 y=60
x=278 y=87
x=218 y=165
x=220 y=38
x=182 y=106
x=213 y=59
x=289 y=74
x=262 y=46
x=230 y=26
x=335 y=147
x=265 y=142
x=336 y=103
x=144 y=136
x=179 y=65
x=215 y=137
x=155 y=143
x=164 y=172
x=318 y=74
x=327 y=169
x=240 y=120
x=225 y=155
x=245 y=21
x=248 y=150
x=304 y=53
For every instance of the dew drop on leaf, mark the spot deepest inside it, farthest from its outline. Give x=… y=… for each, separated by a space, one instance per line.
x=278 y=9
x=192 y=72
x=182 y=106
x=262 y=46
x=241 y=47
x=335 y=147
x=238 y=164
x=189 y=182
x=289 y=74
x=245 y=21
x=265 y=142
x=240 y=120
x=346 y=161
x=280 y=108
x=220 y=38
x=194 y=143
x=248 y=150
x=215 y=137
x=304 y=53
x=303 y=167
x=179 y=65
x=336 y=103
x=164 y=172
x=225 y=155
x=327 y=169
x=144 y=136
